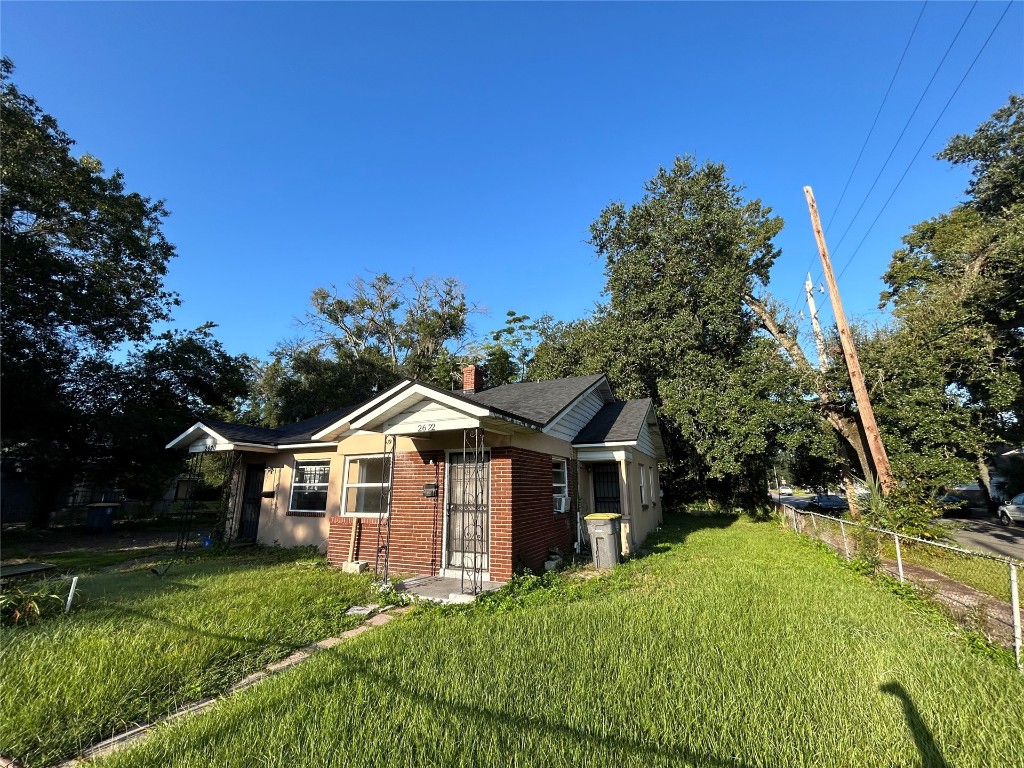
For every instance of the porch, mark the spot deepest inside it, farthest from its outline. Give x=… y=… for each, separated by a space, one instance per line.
x=445 y=589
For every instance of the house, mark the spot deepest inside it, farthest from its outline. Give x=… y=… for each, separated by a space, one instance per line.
x=431 y=482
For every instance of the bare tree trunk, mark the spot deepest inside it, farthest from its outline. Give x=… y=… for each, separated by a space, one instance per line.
x=985 y=483
x=831 y=409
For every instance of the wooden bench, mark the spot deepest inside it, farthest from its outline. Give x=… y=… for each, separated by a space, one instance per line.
x=9 y=573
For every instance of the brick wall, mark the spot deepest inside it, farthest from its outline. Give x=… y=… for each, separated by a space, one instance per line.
x=535 y=526
x=416 y=521
x=523 y=525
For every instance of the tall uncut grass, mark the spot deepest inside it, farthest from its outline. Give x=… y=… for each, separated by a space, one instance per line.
x=142 y=645
x=735 y=644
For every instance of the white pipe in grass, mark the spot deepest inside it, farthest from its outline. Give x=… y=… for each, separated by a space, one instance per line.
x=899 y=556
x=71 y=594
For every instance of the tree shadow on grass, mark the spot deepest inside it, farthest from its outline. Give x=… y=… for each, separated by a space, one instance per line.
x=578 y=739
x=679 y=525
x=256 y=643
x=931 y=755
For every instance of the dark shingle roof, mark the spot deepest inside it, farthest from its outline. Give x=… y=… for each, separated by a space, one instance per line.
x=615 y=423
x=536 y=401
x=298 y=432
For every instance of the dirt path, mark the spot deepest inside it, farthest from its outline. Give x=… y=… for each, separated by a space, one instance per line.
x=973 y=610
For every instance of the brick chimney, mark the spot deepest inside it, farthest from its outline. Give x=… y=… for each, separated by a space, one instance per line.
x=472 y=378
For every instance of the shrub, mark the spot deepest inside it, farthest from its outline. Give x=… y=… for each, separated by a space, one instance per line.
x=26 y=605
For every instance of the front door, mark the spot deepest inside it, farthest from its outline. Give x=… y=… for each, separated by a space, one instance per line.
x=469 y=510
x=252 y=495
x=606 y=488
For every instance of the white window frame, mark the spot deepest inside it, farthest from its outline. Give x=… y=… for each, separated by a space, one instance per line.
x=325 y=485
x=346 y=485
x=555 y=460
x=643 y=484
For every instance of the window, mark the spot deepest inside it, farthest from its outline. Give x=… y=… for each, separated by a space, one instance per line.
x=643 y=486
x=367 y=486
x=560 y=484
x=309 y=486
x=652 y=486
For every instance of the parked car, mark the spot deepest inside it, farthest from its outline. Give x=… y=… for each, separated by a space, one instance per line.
x=1012 y=510
x=953 y=505
x=828 y=504
x=785 y=490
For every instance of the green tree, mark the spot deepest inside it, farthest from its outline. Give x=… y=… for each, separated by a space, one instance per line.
x=131 y=405
x=950 y=370
x=946 y=375
x=82 y=276
x=506 y=355
x=360 y=342
x=678 y=266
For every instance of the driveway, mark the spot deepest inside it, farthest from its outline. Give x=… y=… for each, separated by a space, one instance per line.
x=984 y=534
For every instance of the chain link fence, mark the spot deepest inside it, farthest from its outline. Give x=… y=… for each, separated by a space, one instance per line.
x=979 y=589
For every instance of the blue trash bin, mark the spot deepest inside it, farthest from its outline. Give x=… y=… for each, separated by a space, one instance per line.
x=100 y=518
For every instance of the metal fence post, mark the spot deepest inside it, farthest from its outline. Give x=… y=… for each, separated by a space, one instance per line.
x=899 y=556
x=846 y=545
x=1015 y=605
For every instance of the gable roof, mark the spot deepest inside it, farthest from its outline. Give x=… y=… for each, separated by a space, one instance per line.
x=537 y=401
x=298 y=433
x=619 y=422
x=532 y=404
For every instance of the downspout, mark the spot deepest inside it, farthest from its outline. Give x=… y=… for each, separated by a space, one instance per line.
x=578 y=497
x=626 y=504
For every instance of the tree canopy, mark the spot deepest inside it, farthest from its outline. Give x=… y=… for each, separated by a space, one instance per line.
x=360 y=341
x=946 y=374
x=950 y=370
x=678 y=264
x=86 y=386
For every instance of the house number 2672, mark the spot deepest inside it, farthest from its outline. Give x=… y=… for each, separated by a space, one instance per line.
x=426 y=427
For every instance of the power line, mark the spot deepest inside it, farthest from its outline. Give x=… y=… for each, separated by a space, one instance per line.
x=928 y=136
x=810 y=264
x=924 y=93
x=961 y=326
x=878 y=114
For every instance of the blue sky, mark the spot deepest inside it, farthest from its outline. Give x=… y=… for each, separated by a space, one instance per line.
x=299 y=145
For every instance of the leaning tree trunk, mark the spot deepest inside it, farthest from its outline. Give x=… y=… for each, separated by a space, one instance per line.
x=832 y=409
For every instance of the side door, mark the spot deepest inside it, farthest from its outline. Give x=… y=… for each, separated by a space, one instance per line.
x=252 y=495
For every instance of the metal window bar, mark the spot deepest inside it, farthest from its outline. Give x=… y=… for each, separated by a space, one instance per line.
x=793 y=513
x=193 y=471
x=472 y=532
x=232 y=496
x=382 y=557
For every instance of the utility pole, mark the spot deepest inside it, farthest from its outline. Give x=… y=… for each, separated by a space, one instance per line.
x=819 y=339
x=860 y=390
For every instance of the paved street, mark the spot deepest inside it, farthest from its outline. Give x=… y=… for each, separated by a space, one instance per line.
x=981 y=534
x=984 y=534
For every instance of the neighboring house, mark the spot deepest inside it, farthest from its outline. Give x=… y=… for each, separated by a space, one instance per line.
x=435 y=482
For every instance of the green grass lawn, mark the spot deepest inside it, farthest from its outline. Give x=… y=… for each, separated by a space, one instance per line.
x=735 y=644
x=142 y=645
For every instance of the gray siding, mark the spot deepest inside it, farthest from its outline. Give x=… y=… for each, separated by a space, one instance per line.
x=646 y=443
x=577 y=417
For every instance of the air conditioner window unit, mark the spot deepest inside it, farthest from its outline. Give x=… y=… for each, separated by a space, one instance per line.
x=562 y=504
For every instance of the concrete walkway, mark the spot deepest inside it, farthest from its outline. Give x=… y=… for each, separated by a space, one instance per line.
x=379 y=617
x=444 y=589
